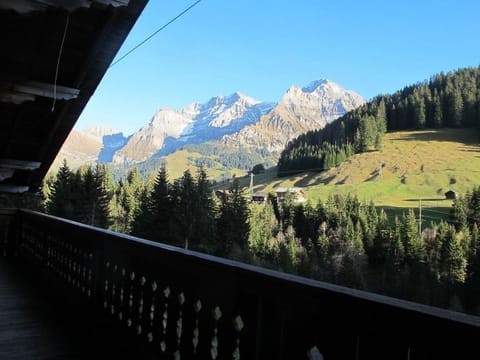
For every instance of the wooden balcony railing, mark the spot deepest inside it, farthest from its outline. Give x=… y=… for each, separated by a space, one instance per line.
x=181 y=304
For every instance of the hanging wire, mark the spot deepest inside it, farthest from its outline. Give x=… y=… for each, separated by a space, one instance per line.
x=67 y=23
x=155 y=33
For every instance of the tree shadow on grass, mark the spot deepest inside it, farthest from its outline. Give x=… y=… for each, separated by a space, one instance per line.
x=432 y=135
x=426 y=199
x=325 y=181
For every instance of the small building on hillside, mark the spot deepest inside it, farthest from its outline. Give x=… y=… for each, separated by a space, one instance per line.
x=451 y=195
x=297 y=193
x=259 y=198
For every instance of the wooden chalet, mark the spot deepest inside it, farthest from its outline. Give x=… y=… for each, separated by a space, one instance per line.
x=297 y=193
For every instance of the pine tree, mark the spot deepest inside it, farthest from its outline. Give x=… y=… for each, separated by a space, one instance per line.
x=263 y=226
x=160 y=207
x=232 y=224
x=419 y=112
x=395 y=260
x=472 y=290
x=453 y=262
x=205 y=213
x=455 y=106
x=473 y=204
x=459 y=212
x=185 y=201
x=378 y=252
x=142 y=220
x=381 y=117
x=100 y=195
x=61 y=197
x=412 y=242
x=475 y=243
x=127 y=198
x=323 y=244
x=437 y=111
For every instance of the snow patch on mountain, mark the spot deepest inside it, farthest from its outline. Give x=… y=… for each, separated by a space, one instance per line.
x=219 y=116
x=314 y=85
x=236 y=120
x=301 y=109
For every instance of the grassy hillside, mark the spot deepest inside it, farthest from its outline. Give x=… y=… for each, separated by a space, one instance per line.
x=79 y=149
x=181 y=160
x=417 y=165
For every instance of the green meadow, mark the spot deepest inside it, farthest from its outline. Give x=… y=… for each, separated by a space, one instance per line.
x=414 y=168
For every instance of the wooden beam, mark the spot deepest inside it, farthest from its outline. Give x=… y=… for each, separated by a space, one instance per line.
x=15 y=98
x=46 y=90
x=13 y=189
x=6 y=173
x=27 y=6
x=19 y=92
x=19 y=164
x=114 y=3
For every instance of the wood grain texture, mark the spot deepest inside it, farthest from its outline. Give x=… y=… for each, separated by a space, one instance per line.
x=38 y=322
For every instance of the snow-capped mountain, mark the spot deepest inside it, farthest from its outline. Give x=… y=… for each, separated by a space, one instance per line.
x=171 y=129
x=231 y=123
x=300 y=110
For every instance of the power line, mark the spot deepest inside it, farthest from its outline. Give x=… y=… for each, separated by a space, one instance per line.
x=155 y=33
x=67 y=23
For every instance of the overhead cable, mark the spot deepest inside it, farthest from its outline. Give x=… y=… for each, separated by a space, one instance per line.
x=60 y=51
x=155 y=33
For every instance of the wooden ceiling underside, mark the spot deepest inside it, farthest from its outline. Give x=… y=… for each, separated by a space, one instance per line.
x=53 y=55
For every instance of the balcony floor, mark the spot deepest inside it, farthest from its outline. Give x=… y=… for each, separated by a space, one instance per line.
x=38 y=323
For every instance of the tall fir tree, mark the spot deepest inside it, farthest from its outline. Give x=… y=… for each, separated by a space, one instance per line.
x=205 y=213
x=161 y=208
x=61 y=194
x=232 y=225
x=412 y=242
x=453 y=263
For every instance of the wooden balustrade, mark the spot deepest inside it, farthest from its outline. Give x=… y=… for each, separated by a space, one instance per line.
x=185 y=305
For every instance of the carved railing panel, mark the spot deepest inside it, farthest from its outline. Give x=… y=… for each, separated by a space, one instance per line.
x=184 y=305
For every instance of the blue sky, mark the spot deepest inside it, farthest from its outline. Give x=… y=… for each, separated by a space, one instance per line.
x=261 y=47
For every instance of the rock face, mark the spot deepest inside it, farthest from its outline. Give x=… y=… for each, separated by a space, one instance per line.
x=98 y=132
x=95 y=144
x=149 y=139
x=171 y=129
x=80 y=147
x=229 y=121
x=299 y=110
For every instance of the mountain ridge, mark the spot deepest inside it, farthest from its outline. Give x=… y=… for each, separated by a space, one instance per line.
x=235 y=121
x=298 y=111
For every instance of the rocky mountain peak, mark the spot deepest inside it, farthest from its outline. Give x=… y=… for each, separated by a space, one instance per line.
x=301 y=109
x=99 y=131
x=235 y=120
x=314 y=85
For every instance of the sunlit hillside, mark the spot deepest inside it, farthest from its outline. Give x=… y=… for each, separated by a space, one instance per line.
x=416 y=165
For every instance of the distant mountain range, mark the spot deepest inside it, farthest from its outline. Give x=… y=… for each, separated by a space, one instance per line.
x=235 y=121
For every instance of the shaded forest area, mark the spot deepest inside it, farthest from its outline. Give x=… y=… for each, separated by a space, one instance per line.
x=449 y=100
x=342 y=240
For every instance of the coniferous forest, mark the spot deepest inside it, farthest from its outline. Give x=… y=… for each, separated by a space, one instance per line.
x=341 y=240
x=446 y=100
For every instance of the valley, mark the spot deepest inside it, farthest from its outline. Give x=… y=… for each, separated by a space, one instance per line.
x=417 y=165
